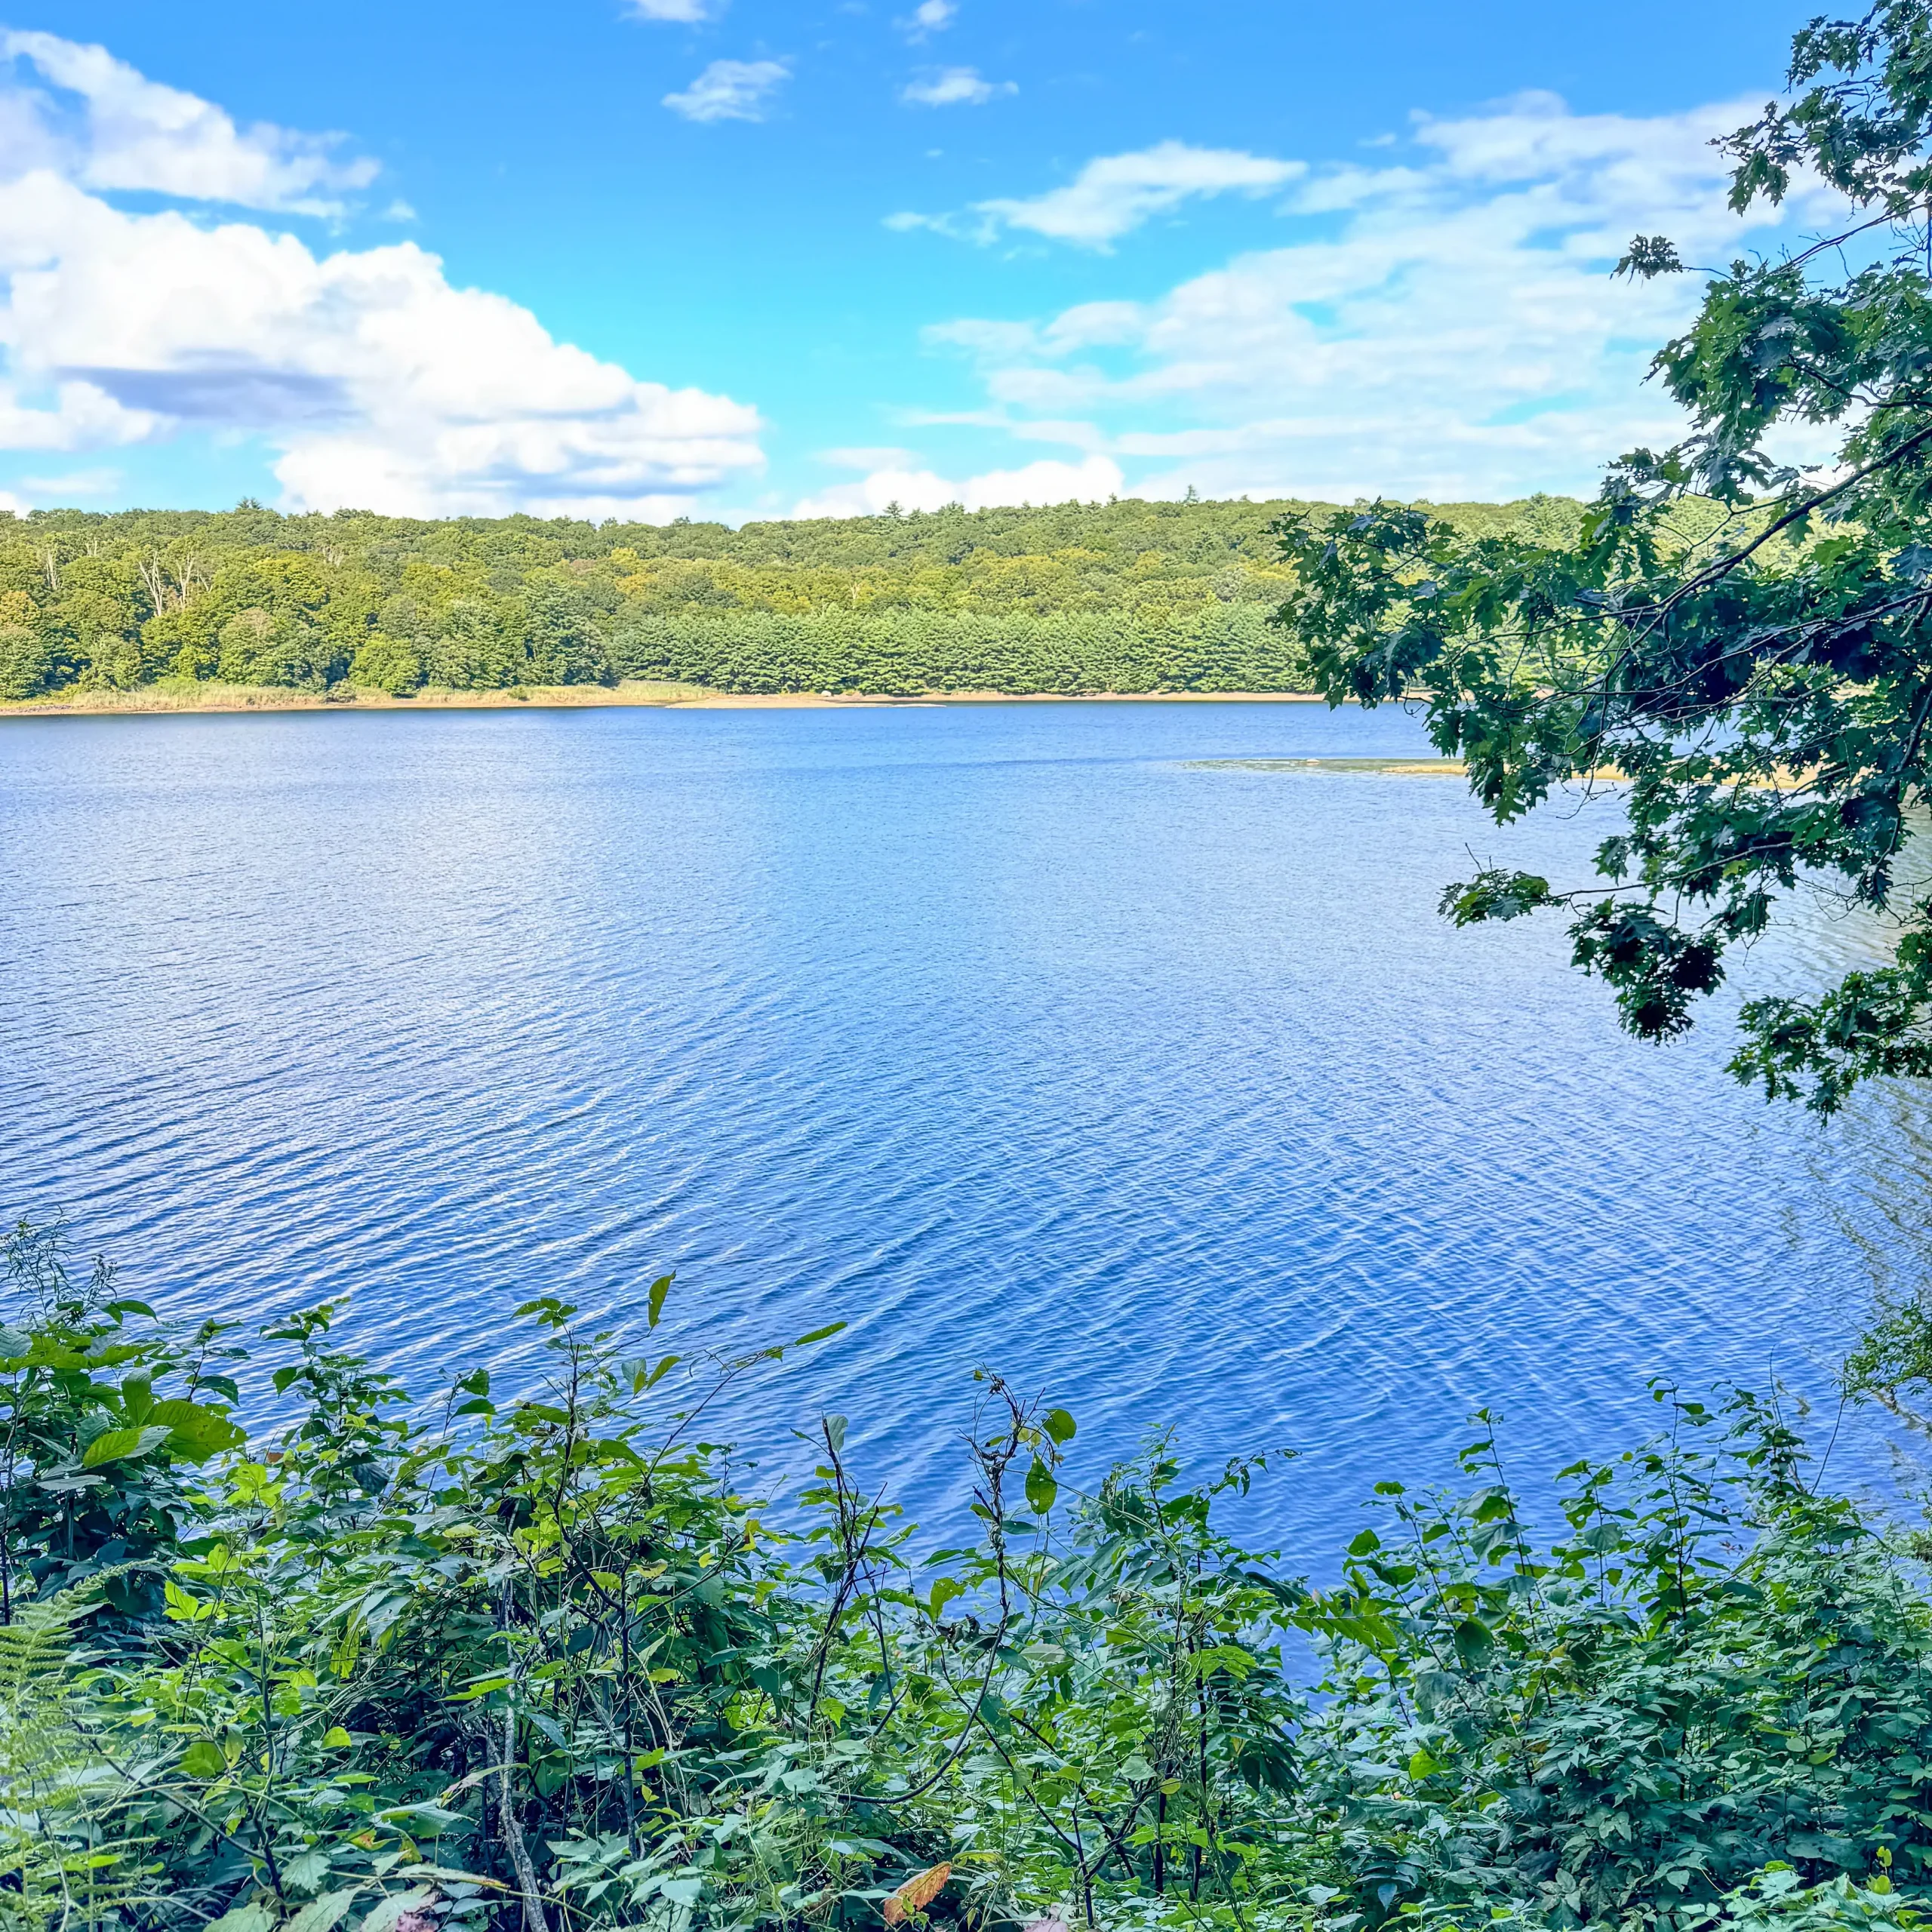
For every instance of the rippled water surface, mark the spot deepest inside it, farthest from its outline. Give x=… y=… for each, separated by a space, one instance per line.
x=1022 y=1035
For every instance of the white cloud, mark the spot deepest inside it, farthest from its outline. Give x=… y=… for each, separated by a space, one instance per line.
x=1114 y=194
x=1444 y=326
x=730 y=90
x=930 y=17
x=868 y=457
x=955 y=87
x=685 y=10
x=1049 y=482
x=74 y=483
x=109 y=127
x=374 y=380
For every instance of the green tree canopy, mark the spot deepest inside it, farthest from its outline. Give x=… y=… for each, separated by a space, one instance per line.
x=1126 y=596
x=1748 y=644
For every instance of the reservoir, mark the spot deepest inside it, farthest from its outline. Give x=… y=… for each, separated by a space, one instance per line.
x=1110 y=1046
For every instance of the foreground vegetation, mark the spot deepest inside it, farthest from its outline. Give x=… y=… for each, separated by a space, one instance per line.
x=552 y=1660
x=1127 y=597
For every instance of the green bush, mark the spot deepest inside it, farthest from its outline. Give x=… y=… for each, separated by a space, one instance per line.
x=512 y=1657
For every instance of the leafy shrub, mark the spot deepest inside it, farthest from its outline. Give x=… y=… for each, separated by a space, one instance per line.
x=536 y=1657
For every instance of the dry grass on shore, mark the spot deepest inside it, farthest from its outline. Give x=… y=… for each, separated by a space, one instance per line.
x=183 y=696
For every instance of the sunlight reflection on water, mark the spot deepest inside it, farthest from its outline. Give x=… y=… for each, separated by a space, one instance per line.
x=1007 y=1033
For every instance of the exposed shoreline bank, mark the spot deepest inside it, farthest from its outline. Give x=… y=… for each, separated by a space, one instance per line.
x=156 y=700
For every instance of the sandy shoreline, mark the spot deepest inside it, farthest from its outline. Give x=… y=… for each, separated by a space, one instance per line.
x=163 y=700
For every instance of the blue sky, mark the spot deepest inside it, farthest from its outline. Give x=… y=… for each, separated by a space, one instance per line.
x=677 y=256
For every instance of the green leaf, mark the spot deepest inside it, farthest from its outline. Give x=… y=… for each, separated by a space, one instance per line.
x=242 y=1918
x=195 y=1430
x=337 y=1739
x=1059 y=1425
x=117 y=1444
x=819 y=1335
x=1041 y=1489
x=945 y=1588
x=659 y=1289
x=203 y=1759
x=324 y=1914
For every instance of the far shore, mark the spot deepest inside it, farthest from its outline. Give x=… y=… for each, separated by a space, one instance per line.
x=175 y=699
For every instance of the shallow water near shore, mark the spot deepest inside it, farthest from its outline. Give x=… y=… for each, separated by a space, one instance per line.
x=1070 y=1040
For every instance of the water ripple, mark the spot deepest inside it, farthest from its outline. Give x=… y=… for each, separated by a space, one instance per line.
x=1045 y=1037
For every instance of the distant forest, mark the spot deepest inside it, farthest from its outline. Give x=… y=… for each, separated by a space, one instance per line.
x=1123 y=596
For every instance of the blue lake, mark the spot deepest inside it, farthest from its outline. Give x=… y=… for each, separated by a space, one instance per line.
x=1010 y=1035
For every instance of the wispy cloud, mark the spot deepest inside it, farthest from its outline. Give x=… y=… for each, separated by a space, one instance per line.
x=74 y=483
x=1114 y=194
x=688 y=12
x=1444 y=324
x=730 y=90
x=956 y=87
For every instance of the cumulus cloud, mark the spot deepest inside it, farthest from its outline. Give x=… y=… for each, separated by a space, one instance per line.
x=97 y=120
x=956 y=87
x=1442 y=325
x=1113 y=195
x=375 y=381
x=1047 y=482
x=730 y=90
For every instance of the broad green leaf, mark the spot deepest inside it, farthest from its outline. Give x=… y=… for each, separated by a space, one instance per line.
x=659 y=1289
x=324 y=1914
x=1059 y=1425
x=195 y=1430
x=1041 y=1489
x=118 y=1444
x=137 y=1398
x=243 y=1918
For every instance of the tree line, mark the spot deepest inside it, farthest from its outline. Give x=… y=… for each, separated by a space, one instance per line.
x=1126 y=596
